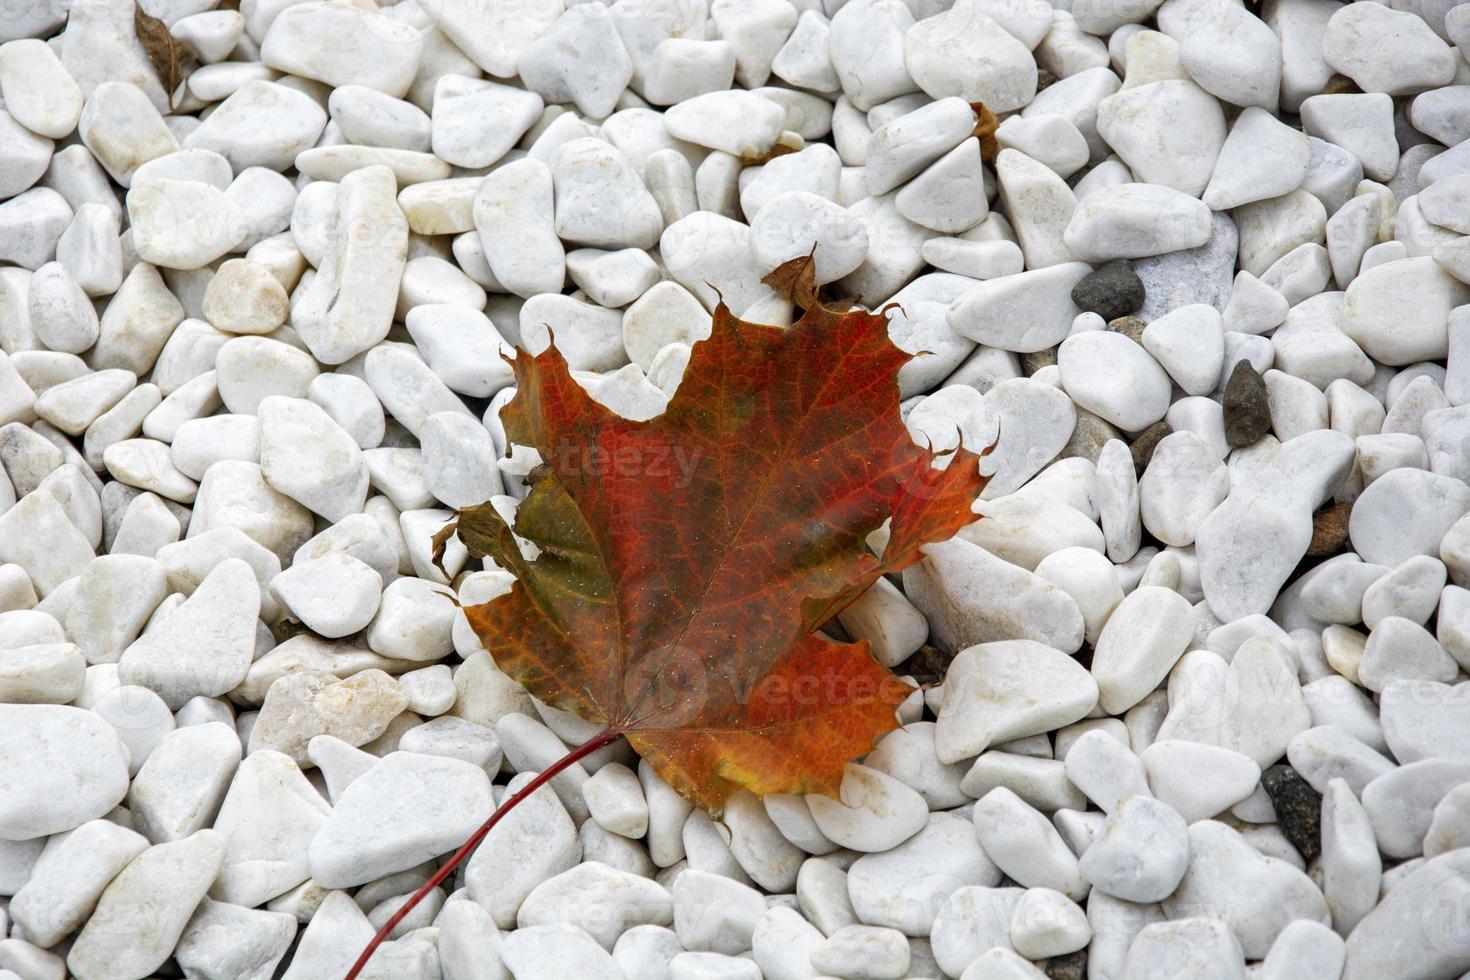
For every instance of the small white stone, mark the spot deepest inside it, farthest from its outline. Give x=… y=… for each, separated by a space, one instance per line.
x=1142 y=852
x=589 y=337
x=797 y=223
x=876 y=811
x=613 y=278
x=579 y=59
x=1293 y=479
x=866 y=45
x=145 y=464
x=141 y=718
x=1111 y=376
x=1026 y=312
x=26 y=156
x=151 y=900
x=198 y=165
x=308 y=457
x=203 y=647
x=348 y=307
x=1424 y=507
x=1439 y=113
x=72 y=406
x=972 y=921
x=39 y=92
x=476 y=122
x=949 y=195
x=1046 y=923
x=60 y=312
x=715 y=914
x=1129 y=663
x=182 y=224
x=739 y=123
x=123 y=129
x=1256 y=896
x=266 y=199
x=340 y=44
x=1066 y=50
x=598 y=899
x=1168 y=132
x=1400 y=649
x=872 y=951
x=31 y=224
x=179 y=789
x=1327 y=752
x=964 y=52
x=64 y=885
x=666 y=314
x=682 y=68
x=244 y=297
x=781 y=944
x=1400 y=803
x=904 y=888
x=803 y=60
x=1233 y=56
x=535 y=842
x=1410 y=591
x=1264 y=707
x=901 y=149
x=55 y=746
x=1189 y=343
x=1385 y=50
x=601 y=200
x=1105 y=769
x=1199 y=780
x=996 y=692
x=1135 y=220
x=360 y=841
x=262 y=124
x=710 y=256
x=948 y=586
x=816 y=169
x=413 y=621
x=1444 y=202
x=335 y=595
x=229 y=939
x=1262 y=158
x=557 y=949
x=1205 y=943
x=1360 y=124
x=615 y=800
x=1025 y=846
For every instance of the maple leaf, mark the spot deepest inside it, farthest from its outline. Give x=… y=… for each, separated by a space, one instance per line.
x=986 y=124
x=679 y=569
x=168 y=56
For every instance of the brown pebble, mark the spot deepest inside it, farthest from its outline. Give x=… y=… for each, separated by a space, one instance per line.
x=1148 y=440
x=1247 y=408
x=1073 y=966
x=1129 y=326
x=1330 y=529
x=1089 y=436
x=1035 y=361
x=927 y=666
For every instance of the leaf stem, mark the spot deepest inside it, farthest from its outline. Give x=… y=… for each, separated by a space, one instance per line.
x=572 y=757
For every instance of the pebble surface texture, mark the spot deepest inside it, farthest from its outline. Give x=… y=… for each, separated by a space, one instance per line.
x=1197 y=698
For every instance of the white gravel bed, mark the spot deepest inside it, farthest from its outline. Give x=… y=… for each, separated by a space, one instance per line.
x=1198 y=704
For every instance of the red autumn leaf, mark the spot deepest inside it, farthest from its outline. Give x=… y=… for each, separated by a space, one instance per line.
x=680 y=567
